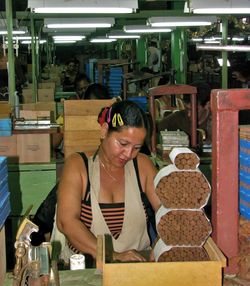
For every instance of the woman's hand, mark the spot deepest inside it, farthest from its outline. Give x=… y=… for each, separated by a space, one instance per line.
x=130 y=255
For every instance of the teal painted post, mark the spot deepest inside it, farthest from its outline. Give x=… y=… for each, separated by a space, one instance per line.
x=224 y=79
x=33 y=49
x=11 y=61
x=141 y=52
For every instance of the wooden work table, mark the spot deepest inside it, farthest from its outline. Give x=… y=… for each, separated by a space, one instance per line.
x=86 y=277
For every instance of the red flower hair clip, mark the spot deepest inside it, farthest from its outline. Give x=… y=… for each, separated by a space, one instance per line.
x=102 y=117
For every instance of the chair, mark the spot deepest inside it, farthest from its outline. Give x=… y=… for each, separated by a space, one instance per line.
x=175 y=90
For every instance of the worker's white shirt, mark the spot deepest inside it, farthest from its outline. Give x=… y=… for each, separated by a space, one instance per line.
x=154 y=57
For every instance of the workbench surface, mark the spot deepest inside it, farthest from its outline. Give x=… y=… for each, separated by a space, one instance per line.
x=86 y=277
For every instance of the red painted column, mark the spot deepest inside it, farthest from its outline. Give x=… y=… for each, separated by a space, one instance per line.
x=225 y=105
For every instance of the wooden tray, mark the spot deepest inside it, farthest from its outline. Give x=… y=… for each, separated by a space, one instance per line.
x=205 y=273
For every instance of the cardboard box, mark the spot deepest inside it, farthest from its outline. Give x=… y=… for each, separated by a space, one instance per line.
x=190 y=273
x=5 y=109
x=33 y=148
x=46 y=94
x=8 y=147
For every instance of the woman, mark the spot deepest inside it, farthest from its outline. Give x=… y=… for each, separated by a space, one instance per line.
x=115 y=201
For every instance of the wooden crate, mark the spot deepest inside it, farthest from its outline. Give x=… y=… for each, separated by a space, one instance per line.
x=198 y=273
x=81 y=129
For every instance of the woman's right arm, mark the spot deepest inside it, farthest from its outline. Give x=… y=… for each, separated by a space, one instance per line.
x=71 y=190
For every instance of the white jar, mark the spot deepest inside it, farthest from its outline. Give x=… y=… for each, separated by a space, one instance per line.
x=77 y=261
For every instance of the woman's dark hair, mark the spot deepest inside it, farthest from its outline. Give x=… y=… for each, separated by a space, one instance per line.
x=96 y=91
x=122 y=114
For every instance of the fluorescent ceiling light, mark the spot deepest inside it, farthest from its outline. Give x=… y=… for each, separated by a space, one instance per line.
x=102 y=40
x=219 y=7
x=20 y=31
x=237 y=39
x=220 y=62
x=83 y=6
x=181 y=21
x=144 y=29
x=116 y=34
x=62 y=23
x=124 y=36
x=29 y=42
x=229 y=48
x=69 y=31
x=197 y=40
x=64 y=42
x=75 y=38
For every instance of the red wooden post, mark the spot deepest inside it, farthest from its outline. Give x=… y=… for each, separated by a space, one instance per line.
x=225 y=106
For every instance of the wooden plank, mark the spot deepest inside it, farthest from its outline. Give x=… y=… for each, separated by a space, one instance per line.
x=85 y=107
x=73 y=138
x=99 y=251
x=77 y=122
x=214 y=252
x=88 y=150
x=70 y=135
x=2 y=255
x=163 y=273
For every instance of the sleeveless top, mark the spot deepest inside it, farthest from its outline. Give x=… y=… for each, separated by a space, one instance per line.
x=125 y=222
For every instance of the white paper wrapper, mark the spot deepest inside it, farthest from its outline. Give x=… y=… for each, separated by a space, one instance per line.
x=159 y=248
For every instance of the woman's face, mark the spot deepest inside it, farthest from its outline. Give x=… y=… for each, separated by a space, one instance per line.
x=121 y=147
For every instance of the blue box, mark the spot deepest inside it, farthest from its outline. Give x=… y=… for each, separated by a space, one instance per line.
x=141 y=101
x=4 y=209
x=245 y=211
x=5 y=127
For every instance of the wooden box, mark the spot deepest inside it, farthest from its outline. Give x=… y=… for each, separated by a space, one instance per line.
x=34 y=114
x=5 y=109
x=198 y=273
x=33 y=148
x=81 y=129
x=46 y=94
x=27 y=95
x=41 y=106
x=51 y=85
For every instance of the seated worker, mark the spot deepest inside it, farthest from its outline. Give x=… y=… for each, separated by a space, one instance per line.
x=182 y=119
x=69 y=76
x=96 y=91
x=81 y=84
x=106 y=196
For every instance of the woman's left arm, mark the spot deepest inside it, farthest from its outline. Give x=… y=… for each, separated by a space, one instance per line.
x=147 y=172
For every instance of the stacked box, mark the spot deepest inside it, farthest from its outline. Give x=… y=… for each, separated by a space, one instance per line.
x=244 y=178
x=4 y=191
x=5 y=127
x=182 y=225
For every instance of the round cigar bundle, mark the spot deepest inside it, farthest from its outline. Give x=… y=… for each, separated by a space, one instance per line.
x=187 y=161
x=183 y=189
x=184 y=228
x=184 y=254
x=184 y=159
